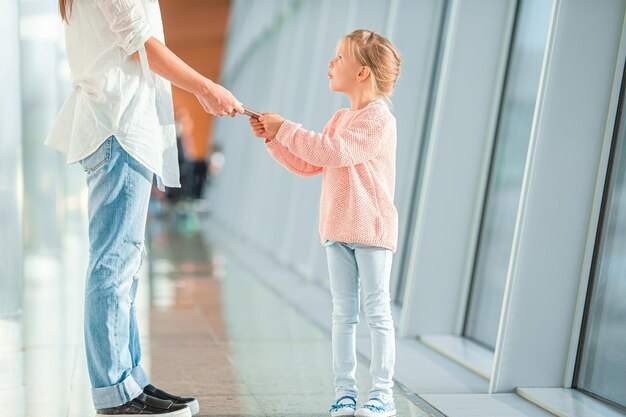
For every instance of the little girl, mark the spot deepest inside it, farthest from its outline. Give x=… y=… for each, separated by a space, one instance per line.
x=356 y=156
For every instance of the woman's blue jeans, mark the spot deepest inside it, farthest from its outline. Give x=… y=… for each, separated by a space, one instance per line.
x=119 y=192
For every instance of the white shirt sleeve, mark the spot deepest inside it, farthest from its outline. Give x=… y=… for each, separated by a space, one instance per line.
x=127 y=21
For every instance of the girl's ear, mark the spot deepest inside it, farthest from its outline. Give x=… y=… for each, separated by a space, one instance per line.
x=364 y=72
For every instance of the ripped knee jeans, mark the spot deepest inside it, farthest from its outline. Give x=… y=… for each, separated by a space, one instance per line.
x=119 y=192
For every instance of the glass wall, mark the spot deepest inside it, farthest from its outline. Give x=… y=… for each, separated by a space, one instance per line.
x=10 y=164
x=301 y=94
x=465 y=242
x=507 y=170
x=43 y=92
x=416 y=30
x=602 y=359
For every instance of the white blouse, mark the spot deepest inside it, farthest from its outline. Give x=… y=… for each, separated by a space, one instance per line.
x=113 y=94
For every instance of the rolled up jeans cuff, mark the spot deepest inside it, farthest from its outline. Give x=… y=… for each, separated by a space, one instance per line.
x=118 y=394
x=140 y=376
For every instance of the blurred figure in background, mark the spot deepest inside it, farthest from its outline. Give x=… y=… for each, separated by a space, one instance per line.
x=194 y=168
x=184 y=145
x=194 y=172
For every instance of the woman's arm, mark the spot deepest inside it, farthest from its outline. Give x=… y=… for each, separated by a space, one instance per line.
x=127 y=20
x=214 y=98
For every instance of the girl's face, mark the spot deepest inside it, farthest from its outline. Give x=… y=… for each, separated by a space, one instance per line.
x=344 y=69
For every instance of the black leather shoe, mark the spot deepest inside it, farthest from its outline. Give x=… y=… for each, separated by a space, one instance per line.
x=147 y=405
x=190 y=402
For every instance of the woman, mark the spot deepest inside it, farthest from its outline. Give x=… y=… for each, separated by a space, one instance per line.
x=118 y=123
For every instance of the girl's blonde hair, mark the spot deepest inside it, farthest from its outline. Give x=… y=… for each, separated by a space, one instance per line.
x=378 y=54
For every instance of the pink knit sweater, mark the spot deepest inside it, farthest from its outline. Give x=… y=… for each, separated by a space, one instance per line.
x=356 y=155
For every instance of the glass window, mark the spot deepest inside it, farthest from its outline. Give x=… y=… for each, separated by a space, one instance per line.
x=602 y=359
x=416 y=32
x=507 y=170
x=10 y=165
x=42 y=93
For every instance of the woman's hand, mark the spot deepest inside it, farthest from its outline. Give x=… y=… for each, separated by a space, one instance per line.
x=271 y=123
x=217 y=100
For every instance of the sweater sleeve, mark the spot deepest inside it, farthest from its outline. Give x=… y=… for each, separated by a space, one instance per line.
x=356 y=143
x=290 y=161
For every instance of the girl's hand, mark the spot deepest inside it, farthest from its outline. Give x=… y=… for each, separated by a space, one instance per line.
x=272 y=123
x=258 y=129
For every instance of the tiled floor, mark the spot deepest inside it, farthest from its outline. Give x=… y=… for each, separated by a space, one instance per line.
x=209 y=328
x=243 y=350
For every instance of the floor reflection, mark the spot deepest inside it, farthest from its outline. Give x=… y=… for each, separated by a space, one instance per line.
x=219 y=333
x=209 y=327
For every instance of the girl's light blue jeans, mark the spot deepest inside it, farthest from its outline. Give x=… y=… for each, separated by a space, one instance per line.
x=119 y=192
x=353 y=266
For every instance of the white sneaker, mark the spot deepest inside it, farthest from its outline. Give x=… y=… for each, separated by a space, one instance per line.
x=375 y=407
x=344 y=406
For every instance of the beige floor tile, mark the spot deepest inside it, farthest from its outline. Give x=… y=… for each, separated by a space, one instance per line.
x=209 y=329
